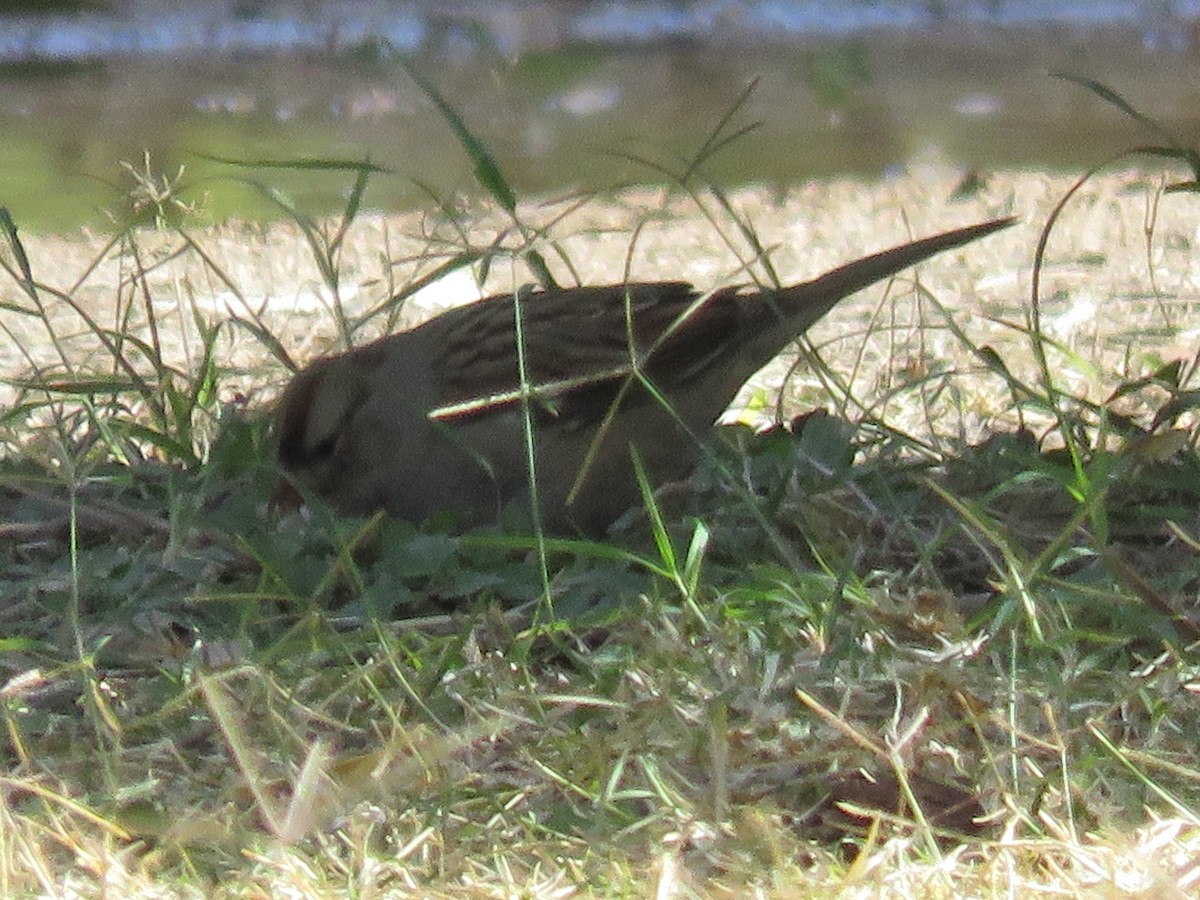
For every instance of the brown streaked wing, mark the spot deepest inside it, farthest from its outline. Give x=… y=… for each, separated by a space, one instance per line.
x=574 y=339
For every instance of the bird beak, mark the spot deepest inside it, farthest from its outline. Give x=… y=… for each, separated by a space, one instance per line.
x=285 y=499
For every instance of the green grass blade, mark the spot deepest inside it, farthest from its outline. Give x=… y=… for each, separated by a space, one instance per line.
x=487 y=172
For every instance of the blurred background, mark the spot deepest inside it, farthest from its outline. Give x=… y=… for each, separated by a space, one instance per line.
x=566 y=93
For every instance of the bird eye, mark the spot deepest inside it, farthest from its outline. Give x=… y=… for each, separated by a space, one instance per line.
x=324 y=448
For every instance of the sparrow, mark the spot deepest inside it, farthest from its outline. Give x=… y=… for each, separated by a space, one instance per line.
x=445 y=419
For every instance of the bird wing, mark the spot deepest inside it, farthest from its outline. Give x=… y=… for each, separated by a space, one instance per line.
x=579 y=344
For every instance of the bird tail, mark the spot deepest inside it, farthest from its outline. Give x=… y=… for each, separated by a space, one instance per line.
x=821 y=294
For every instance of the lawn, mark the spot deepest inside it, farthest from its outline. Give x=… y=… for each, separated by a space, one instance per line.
x=936 y=638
